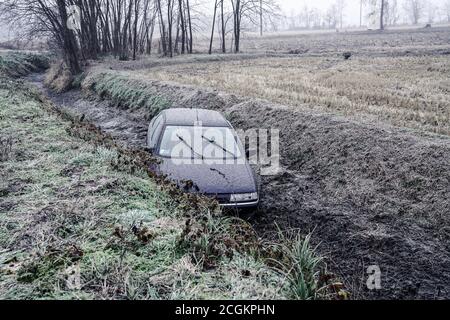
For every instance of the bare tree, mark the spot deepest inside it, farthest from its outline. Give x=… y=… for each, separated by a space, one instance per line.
x=431 y=12
x=249 y=11
x=305 y=16
x=382 y=11
x=340 y=7
x=188 y=10
x=135 y=27
x=414 y=10
x=223 y=26
x=332 y=16
x=447 y=10
x=261 y=18
x=361 y=7
x=68 y=40
x=183 y=26
x=213 y=25
x=49 y=18
x=392 y=14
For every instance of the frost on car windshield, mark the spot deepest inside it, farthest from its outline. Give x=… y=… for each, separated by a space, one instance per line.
x=199 y=142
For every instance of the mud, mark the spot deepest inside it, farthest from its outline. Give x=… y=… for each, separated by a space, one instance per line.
x=371 y=194
x=126 y=127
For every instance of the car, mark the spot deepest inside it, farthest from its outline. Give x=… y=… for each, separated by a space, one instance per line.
x=200 y=151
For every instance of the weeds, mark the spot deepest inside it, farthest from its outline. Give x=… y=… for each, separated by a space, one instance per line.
x=5 y=148
x=59 y=77
x=402 y=91
x=126 y=93
x=20 y=64
x=212 y=238
x=305 y=272
x=299 y=264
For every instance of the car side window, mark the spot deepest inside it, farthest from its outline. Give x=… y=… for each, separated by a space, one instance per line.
x=151 y=128
x=154 y=131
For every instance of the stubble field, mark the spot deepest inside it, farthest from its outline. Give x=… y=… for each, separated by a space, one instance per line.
x=400 y=78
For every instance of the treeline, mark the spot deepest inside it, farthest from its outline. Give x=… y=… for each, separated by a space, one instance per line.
x=85 y=29
x=371 y=13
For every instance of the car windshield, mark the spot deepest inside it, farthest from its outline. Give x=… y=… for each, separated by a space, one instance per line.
x=183 y=142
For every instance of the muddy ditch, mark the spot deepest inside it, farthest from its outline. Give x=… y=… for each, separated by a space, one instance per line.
x=126 y=127
x=372 y=195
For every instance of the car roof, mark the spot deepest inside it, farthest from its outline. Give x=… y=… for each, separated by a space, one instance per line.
x=188 y=117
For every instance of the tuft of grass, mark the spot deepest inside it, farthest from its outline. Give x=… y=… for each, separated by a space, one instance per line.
x=209 y=238
x=298 y=262
x=126 y=93
x=59 y=77
x=18 y=64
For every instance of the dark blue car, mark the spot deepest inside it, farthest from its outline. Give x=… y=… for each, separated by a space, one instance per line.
x=200 y=149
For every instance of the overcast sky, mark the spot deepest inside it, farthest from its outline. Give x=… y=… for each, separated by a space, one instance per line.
x=293 y=7
x=351 y=11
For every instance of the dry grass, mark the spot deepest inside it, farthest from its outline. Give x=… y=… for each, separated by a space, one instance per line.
x=399 y=77
x=409 y=92
x=58 y=77
x=393 y=41
x=20 y=63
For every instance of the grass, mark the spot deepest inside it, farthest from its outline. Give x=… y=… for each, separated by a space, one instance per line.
x=392 y=41
x=16 y=64
x=82 y=218
x=300 y=266
x=127 y=93
x=58 y=77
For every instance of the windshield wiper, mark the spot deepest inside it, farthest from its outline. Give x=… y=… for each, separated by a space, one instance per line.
x=218 y=145
x=190 y=147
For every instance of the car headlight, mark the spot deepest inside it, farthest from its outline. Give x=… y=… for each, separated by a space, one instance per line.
x=242 y=197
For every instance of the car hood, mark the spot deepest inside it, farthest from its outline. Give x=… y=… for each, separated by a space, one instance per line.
x=212 y=178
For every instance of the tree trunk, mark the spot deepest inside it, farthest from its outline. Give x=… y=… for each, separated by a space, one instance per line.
x=69 y=43
x=261 y=18
x=224 y=49
x=169 y=26
x=136 y=17
x=183 y=27
x=237 y=26
x=126 y=31
x=191 y=41
x=212 y=28
x=162 y=28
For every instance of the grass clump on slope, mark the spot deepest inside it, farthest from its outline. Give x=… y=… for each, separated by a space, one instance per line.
x=125 y=92
x=18 y=64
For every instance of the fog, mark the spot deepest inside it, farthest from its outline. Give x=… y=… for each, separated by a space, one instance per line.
x=292 y=8
x=352 y=9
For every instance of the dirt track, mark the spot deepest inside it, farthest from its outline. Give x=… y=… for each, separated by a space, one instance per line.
x=372 y=195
